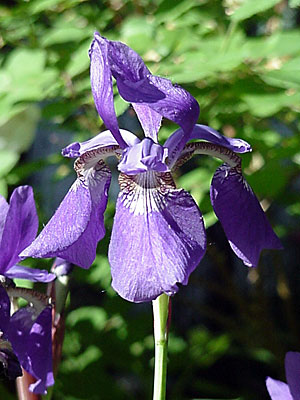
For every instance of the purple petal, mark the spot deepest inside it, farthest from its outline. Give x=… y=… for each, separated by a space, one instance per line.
x=33 y=275
x=292 y=371
x=170 y=101
x=149 y=119
x=125 y=63
x=137 y=85
x=78 y=224
x=206 y=133
x=158 y=238
x=244 y=222
x=143 y=157
x=3 y=212
x=103 y=139
x=102 y=89
x=4 y=309
x=20 y=228
x=278 y=390
x=31 y=341
x=61 y=267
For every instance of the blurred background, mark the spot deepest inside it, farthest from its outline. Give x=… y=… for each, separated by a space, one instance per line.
x=231 y=326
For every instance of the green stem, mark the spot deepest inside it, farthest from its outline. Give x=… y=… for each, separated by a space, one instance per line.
x=160 y=314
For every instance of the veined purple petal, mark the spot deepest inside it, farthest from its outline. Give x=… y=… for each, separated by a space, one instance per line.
x=244 y=222
x=137 y=85
x=4 y=310
x=3 y=212
x=292 y=372
x=78 y=224
x=33 y=275
x=278 y=390
x=158 y=237
x=102 y=89
x=31 y=341
x=149 y=119
x=143 y=157
x=205 y=133
x=125 y=63
x=170 y=101
x=20 y=227
x=103 y=139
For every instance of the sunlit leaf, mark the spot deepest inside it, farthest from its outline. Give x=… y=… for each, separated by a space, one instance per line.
x=252 y=7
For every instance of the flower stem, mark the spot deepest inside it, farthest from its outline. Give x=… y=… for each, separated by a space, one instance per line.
x=160 y=314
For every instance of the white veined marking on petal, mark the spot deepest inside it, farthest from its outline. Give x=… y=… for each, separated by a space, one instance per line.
x=142 y=194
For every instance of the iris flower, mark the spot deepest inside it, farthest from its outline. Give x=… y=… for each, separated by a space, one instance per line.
x=18 y=228
x=291 y=391
x=28 y=331
x=158 y=236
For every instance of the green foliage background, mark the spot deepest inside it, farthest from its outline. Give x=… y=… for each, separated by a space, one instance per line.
x=231 y=326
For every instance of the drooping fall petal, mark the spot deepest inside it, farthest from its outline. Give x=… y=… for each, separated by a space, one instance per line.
x=158 y=237
x=244 y=222
x=78 y=224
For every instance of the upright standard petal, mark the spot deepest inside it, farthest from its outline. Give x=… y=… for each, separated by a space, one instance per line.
x=102 y=89
x=149 y=119
x=78 y=224
x=209 y=134
x=278 y=390
x=158 y=237
x=143 y=157
x=31 y=340
x=20 y=227
x=244 y=222
x=292 y=372
x=138 y=86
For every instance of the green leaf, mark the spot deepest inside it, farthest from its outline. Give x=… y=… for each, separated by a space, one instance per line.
x=287 y=76
x=38 y=6
x=294 y=3
x=79 y=363
x=23 y=63
x=252 y=7
x=8 y=161
x=137 y=32
x=265 y=105
x=79 y=61
x=206 y=61
x=3 y=188
x=63 y=35
x=21 y=125
x=26 y=77
x=95 y=315
x=171 y=10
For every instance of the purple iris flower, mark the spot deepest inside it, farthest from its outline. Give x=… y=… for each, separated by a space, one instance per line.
x=18 y=228
x=291 y=391
x=158 y=236
x=29 y=332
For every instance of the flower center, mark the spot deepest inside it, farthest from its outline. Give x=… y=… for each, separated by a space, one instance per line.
x=144 y=193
